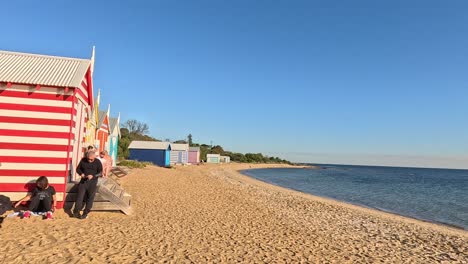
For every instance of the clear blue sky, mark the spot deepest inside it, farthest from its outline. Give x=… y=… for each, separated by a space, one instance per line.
x=321 y=81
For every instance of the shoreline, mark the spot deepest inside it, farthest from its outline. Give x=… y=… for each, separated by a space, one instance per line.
x=374 y=211
x=214 y=214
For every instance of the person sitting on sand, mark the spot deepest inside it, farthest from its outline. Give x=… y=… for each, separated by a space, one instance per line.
x=89 y=170
x=43 y=199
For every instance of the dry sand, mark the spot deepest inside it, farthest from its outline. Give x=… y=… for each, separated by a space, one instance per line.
x=211 y=213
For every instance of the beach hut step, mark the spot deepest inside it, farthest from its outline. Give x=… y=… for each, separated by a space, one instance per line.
x=118 y=192
x=71 y=197
x=127 y=198
x=119 y=172
x=109 y=197
x=111 y=191
x=105 y=206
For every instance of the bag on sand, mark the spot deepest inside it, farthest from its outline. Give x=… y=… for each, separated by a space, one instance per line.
x=5 y=204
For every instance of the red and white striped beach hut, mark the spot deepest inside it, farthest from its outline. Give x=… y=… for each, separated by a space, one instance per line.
x=44 y=102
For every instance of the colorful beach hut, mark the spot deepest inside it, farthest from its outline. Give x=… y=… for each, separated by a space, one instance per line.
x=158 y=153
x=114 y=125
x=224 y=159
x=103 y=131
x=44 y=102
x=213 y=158
x=194 y=155
x=91 y=123
x=179 y=153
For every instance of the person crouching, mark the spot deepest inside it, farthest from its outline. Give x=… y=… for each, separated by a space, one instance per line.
x=42 y=199
x=89 y=170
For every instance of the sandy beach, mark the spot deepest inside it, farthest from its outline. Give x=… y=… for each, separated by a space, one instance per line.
x=212 y=213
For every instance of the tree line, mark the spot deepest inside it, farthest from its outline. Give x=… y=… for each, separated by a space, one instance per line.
x=136 y=130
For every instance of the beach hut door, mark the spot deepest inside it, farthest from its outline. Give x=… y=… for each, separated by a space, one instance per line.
x=77 y=142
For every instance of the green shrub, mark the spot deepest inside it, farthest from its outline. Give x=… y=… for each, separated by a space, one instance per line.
x=135 y=164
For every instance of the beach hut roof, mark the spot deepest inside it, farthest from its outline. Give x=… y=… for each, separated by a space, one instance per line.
x=113 y=123
x=149 y=145
x=102 y=116
x=25 y=68
x=194 y=149
x=180 y=147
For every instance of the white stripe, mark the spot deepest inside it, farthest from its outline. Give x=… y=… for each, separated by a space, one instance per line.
x=33 y=153
x=34 y=140
x=32 y=166
x=84 y=90
x=34 y=101
x=30 y=179
x=33 y=114
x=16 y=196
x=34 y=127
x=43 y=90
x=81 y=98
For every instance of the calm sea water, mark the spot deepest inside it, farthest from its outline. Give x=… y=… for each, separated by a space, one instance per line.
x=436 y=195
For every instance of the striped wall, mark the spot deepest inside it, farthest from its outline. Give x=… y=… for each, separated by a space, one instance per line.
x=82 y=91
x=179 y=157
x=41 y=134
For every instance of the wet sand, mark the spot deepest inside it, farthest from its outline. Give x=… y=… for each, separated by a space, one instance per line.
x=212 y=213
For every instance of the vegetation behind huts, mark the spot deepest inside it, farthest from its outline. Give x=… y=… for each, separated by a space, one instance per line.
x=136 y=130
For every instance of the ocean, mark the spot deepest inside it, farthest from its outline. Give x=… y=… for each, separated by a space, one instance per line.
x=434 y=195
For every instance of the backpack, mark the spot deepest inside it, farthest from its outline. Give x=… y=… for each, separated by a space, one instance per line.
x=5 y=204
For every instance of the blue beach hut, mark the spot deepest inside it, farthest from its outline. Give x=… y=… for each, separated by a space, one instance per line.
x=158 y=153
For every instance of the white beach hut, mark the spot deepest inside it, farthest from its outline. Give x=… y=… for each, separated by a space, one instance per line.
x=224 y=159
x=213 y=158
x=179 y=153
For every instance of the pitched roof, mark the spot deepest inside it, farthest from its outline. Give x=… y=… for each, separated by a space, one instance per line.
x=180 y=147
x=25 y=68
x=194 y=149
x=113 y=122
x=149 y=145
x=101 y=116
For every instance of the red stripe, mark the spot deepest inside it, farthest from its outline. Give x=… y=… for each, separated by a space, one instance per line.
x=26 y=146
x=22 y=187
x=48 y=173
x=84 y=85
x=46 y=160
x=89 y=79
x=56 y=97
x=36 y=108
x=80 y=92
x=36 y=121
x=27 y=133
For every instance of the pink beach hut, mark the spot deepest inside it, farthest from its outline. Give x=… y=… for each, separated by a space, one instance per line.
x=194 y=155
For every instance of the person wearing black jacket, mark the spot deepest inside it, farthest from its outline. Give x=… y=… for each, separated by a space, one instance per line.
x=89 y=170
